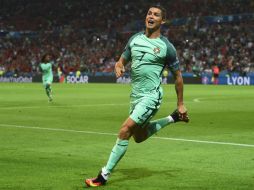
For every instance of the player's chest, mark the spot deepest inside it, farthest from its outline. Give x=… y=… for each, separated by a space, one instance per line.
x=147 y=51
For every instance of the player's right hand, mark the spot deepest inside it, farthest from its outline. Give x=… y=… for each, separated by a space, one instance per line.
x=119 y=69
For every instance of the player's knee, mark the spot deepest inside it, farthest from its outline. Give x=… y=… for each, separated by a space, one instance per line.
x=125 y=132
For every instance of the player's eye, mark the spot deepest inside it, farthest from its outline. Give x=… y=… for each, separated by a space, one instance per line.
x=149 y=13
x=157 y=14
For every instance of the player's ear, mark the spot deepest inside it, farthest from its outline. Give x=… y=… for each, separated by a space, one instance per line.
x=163 y=21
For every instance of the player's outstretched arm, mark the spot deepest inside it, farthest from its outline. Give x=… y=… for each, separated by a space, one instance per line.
x=179 y=91
x=182 y=111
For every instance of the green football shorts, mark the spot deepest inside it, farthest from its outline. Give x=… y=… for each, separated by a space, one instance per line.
x=144 y=108
x=47 y=81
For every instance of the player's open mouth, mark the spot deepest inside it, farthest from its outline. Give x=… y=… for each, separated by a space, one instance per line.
x=150 y=22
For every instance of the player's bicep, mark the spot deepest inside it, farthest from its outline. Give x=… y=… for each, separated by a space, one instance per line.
x=127 y=50
x=126 y=55
x=172 y=60
x=174 y=65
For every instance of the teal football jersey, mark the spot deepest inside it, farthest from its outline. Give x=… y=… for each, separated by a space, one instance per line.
x=148 y=59
x=47 y=73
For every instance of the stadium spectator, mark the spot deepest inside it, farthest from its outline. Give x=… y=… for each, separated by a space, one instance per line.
x=216 y=72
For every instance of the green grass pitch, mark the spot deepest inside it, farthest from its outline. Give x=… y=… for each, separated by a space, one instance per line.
x=55 y=146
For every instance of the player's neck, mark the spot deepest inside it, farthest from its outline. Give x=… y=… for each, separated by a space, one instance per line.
x=153 y=34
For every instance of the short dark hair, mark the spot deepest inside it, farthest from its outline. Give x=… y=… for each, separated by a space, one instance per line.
x=163 y=10
x=44 y=57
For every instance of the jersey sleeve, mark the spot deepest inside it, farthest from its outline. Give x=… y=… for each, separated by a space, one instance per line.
x=127 y=50
x=45 y=67
x=172 y=60
x=174 y=64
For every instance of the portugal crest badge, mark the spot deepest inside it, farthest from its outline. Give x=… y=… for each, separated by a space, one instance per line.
x=156 y=50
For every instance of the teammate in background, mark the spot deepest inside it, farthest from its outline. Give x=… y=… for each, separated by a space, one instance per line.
x=150 y=53
x=47 y=74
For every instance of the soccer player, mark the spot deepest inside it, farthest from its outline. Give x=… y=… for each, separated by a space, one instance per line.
x=149 y=52
x=47 y=74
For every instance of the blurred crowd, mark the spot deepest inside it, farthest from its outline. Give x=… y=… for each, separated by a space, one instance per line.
x=228 y=46
x=88 y=36
x=105 y=14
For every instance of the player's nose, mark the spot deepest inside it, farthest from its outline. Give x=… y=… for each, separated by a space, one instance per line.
x=151 y=16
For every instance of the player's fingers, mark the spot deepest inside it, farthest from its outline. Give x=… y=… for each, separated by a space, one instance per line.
x=118 y=72
x=186 y=116
x=181 y=116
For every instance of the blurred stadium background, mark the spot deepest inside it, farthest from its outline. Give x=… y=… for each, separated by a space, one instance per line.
x=86 y=37
x=55 y=146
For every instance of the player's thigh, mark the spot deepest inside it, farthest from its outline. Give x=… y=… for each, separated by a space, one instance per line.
x=47 y=82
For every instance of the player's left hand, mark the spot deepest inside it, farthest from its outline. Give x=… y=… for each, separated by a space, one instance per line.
x=181 y=108
x=183 y=114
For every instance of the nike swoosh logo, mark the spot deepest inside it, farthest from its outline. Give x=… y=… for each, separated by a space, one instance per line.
x=139 y=45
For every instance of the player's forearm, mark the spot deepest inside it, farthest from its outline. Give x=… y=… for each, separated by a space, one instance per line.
x=179 y=88
x=123 y=61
